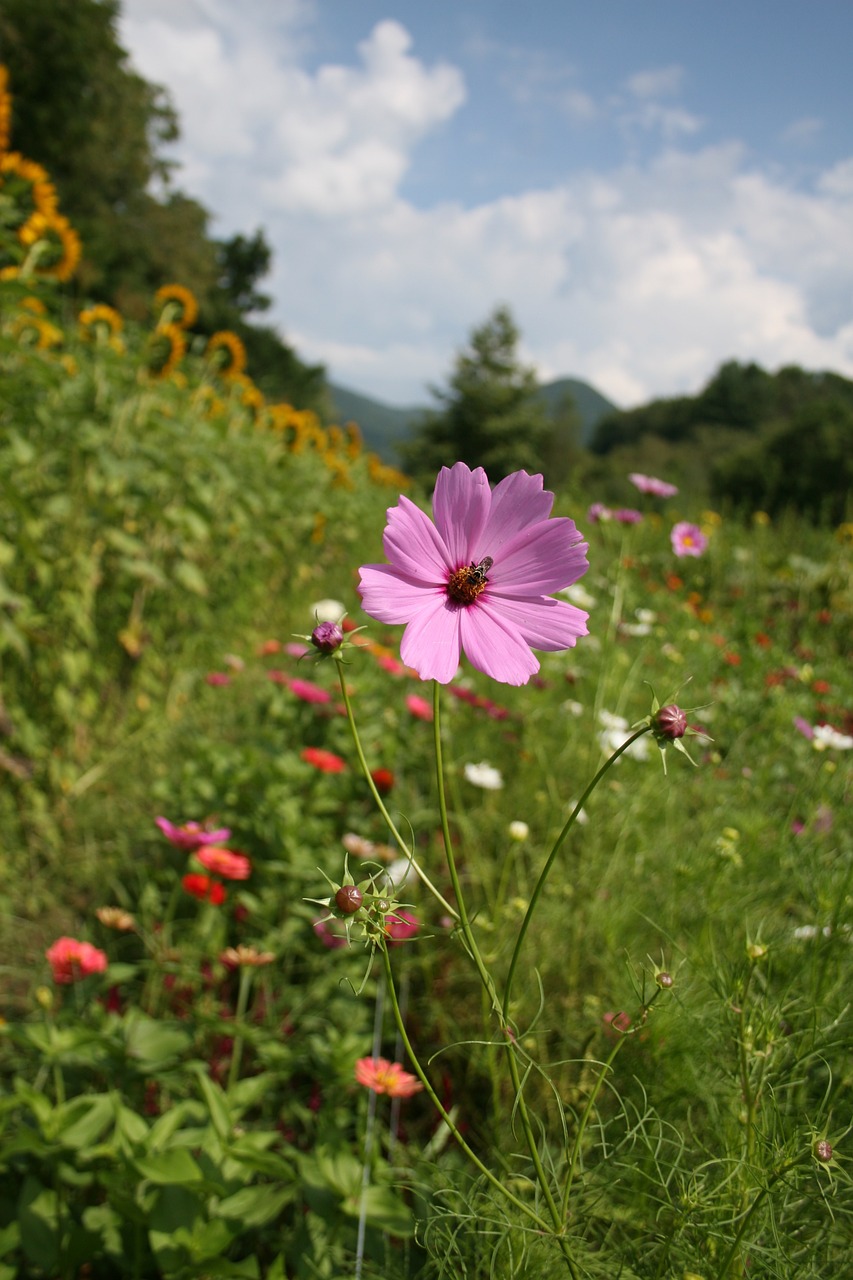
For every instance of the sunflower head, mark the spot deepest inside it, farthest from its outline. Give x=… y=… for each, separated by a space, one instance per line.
x=166 y=347
x=226 y=350
x=177 y=305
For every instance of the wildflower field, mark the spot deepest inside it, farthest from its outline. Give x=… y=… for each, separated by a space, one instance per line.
x=325 y=958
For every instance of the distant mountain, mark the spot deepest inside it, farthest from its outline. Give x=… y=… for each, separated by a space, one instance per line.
x=383 y=426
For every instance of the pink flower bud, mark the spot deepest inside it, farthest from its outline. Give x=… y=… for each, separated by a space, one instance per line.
x=823 y=1151
x=327 y=637
x=670 y=722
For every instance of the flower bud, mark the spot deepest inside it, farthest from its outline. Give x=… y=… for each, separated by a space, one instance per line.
x=348 y=899
x=822 y=1151
x=327 y=637
x=670 y=722
x=664 y=980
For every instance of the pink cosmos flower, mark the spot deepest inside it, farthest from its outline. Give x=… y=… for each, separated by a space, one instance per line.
x=688 y=539
x=627 y=515
x=191 y=835
x=401 y=926
x=225 y=863
x=651 y=484
x=383 y=1076
x=478 y=580
x=71 y=960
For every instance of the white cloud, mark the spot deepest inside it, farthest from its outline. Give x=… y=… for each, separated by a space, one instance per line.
x=641 y=279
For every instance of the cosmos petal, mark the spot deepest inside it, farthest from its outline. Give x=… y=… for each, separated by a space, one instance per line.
x=543 y=558
x=413 y=544
x=543 y=623
x=496 y=647
x=518 y=501
x=430 y=642
x=460 y=506
x=391 y=597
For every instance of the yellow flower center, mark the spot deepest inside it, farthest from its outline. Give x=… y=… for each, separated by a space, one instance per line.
x=469 y=581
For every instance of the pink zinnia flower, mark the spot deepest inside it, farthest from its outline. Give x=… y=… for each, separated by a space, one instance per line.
x=651 y=484
x=225 y=863
x=325 y=761
x=627 y=515
x=419 y=707
x=479 y=580
x=71 y=960
x=688 y=539
x=383 y=1076
x=309 y=692
x=217 y=678
x=191 y=835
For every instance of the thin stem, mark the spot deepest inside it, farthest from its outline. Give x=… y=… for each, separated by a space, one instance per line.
x=239 y=1015
x=549 y=862
x=445 y=1115
x=747 y=1217
x=368 y=1136
x=380 y=804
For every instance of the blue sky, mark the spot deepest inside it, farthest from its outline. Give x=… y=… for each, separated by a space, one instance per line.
x=652 y=186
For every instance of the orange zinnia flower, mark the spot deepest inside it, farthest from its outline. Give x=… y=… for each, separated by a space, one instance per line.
x=383 y=1076
x=224 y=862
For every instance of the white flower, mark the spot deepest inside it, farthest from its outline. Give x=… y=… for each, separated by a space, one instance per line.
x=518 y=830
x=806 y=932
x=484 y=775
x=399 y=873
x=573 y=708
x=583 y=818
x=616 y=730
x=328 y=610
x=578 y=594
x=825 y=736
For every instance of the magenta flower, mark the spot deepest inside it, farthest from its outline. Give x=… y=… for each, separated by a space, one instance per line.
x=651 y=484
x=191 y=835
x=627 y=515
x=479 y=580
x=688 y=539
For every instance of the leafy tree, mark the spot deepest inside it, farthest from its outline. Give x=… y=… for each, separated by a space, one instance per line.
x=492 y=415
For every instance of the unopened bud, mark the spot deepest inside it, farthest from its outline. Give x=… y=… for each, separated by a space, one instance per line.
x=664 y=980
x=348 y=899
x=327 y=637
x=670 y=722
x=823 y=1151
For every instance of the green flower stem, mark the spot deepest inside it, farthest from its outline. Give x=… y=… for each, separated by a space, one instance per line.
x=445 y=1115
x=239 y=1017
x=380 y=804
x=544 y=873
x=488 y=984
x=464 y=921
x=747 y=1218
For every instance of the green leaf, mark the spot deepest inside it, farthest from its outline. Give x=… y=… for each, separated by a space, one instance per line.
x=175 y=1167
x=39 y=1220
x=81 y=1122
x=253 y=1206
x=216 y=1105
x=190 y=577
x=155 y=1044
x=383 y=1209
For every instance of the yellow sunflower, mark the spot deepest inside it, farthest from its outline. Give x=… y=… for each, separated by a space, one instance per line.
x=101 y=314
x=166 y=347
x=58 y=244
x=36 y=329
x=5 y=109
x=28 y=186
x=229 y=352
x=178 y=305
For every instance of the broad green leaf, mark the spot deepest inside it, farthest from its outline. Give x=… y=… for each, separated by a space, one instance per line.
x=175 y=1167
x=190 y=577
x=383 y=1209
x=81 y=1122
x=217 y=1105
x=39 y=1221
x=253 y=1206
x=155 y=1043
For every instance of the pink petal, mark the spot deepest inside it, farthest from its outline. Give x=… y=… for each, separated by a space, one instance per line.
x=430 y=642
x=543 y=623
x=518 y=501
x=414 y=546
x=392 y=598
x=495 y=647
x=541 y=559
x=460 y=506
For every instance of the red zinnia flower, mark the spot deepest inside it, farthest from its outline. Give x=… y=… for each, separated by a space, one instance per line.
x=204 y=888
x=71 y=960
x=419 y=706
x=325 y=761
x=383 y=780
